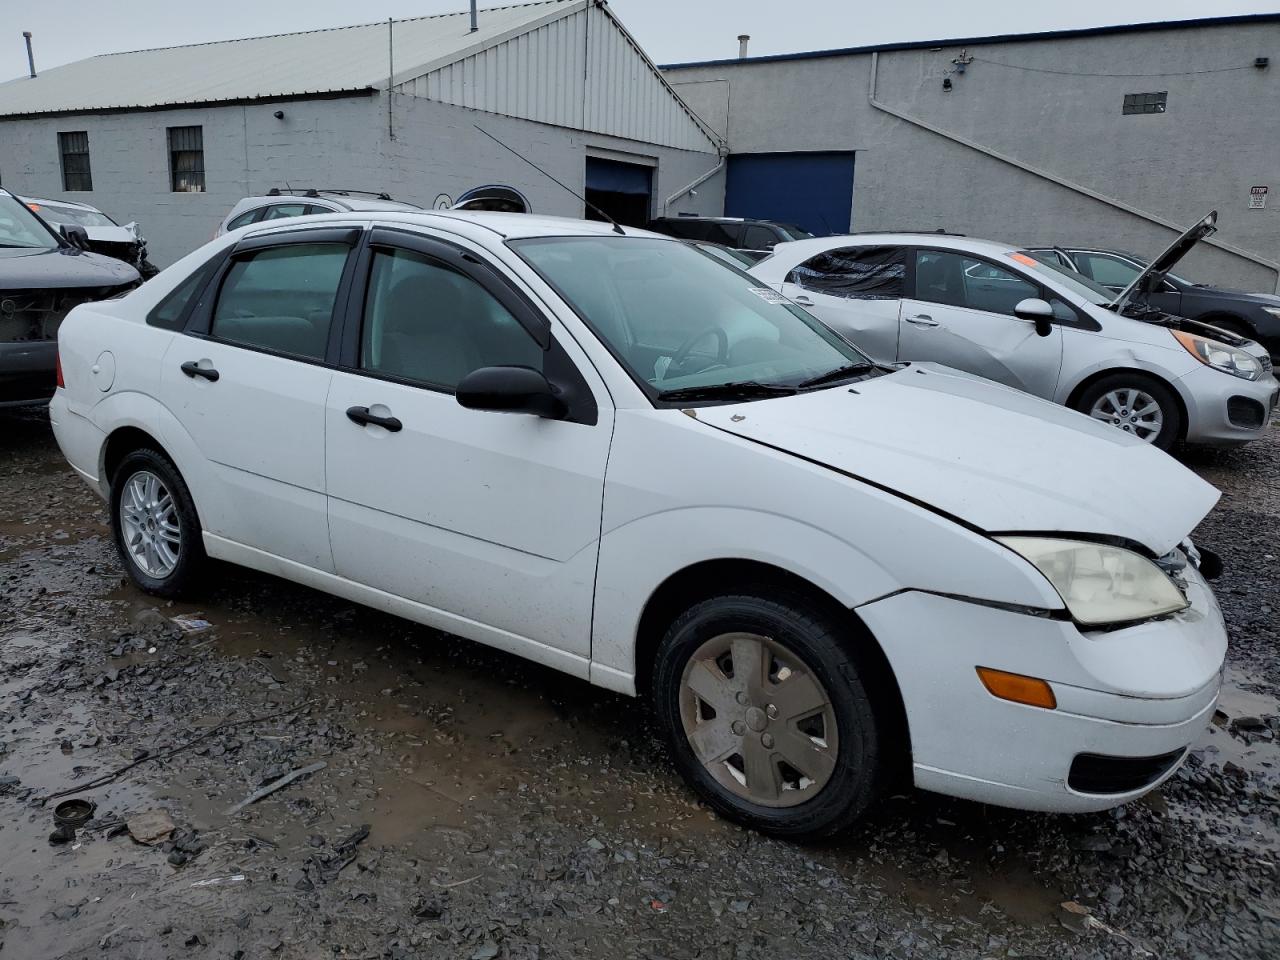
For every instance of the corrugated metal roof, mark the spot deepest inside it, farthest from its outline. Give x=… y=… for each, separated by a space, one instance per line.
x=581 y=70
x=315 y=61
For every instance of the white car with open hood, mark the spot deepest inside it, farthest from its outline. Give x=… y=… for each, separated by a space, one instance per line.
x=617 y=456
x=1037 y=325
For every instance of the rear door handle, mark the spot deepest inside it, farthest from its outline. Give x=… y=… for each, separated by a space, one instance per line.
x=193 y=369
x=923 y=320
x=804 y=301
x=362 y=416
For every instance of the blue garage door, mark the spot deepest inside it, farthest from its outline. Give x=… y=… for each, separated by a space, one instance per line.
x=812 y=190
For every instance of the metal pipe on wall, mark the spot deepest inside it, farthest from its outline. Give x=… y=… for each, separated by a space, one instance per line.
x=31 y=59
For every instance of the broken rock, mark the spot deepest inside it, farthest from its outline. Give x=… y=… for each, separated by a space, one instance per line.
x=152 y=827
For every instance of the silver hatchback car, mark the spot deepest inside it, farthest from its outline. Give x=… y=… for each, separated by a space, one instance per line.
x=1000 y=313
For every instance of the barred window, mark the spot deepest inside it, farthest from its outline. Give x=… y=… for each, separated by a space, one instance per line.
x=186 y=159
x=1146 y=102
x=74 y=147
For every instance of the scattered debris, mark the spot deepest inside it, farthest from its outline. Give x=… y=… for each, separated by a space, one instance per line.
x=275 y=785
x=151 y=827
x=221 y=881
x=455 y=883
x=191 y=624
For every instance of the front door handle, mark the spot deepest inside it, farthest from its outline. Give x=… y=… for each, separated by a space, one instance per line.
x=922 y=320
x=193 y=369
x=362 y=416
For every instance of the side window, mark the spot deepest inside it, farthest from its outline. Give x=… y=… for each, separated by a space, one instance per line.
x=426 y=322
x=960 y=281
x=1107 y=271
x=858 y=273
x=246 y=218
x=759 y=238
x=171 y=312
x=278 y=211
x=281 y=298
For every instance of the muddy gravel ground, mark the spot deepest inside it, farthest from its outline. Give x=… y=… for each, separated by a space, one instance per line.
x=472 y=805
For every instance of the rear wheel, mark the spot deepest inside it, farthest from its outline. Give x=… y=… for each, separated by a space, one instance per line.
x=767 y=715
x=154 y=522
x=1137 y=404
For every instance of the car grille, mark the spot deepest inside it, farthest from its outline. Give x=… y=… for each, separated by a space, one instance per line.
x=1097 y=773
x=34 y=315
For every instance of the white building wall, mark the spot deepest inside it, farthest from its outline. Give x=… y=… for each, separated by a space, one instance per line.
x=327 y=143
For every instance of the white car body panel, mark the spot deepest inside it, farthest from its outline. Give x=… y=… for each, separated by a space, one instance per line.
x=548 y=539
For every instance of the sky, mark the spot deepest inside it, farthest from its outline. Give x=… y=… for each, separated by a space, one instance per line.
x=671 y=31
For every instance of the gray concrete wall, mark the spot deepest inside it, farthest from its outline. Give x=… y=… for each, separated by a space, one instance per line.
x=1051 y=104
x=337 y=143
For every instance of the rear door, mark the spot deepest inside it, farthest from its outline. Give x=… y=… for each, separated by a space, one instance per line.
x=857 y=292
x=248 y=381
x=962 y=316
x=490 y=521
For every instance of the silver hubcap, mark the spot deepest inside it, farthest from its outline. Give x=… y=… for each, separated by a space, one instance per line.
x=149 y=521
x=758 y=720
x=1132 y=410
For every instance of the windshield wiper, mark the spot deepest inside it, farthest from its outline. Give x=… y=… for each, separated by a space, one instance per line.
x=839 y=373
x=743 y=390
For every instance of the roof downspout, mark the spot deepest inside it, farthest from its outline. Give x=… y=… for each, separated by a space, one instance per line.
x=693 y=186
x=391 y=73
x=1054 y=178
x=31 y=57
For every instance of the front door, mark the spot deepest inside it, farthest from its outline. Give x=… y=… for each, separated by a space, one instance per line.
x=962 y=316
x=489 y=521
x=247 y=384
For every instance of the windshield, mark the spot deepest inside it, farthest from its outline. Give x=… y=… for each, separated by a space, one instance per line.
x=793 y=232
x=72 y=215
x=1068 y=279
x=677 y=319
x=19 y=227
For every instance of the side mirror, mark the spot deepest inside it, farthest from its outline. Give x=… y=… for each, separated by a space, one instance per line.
x=511 y=390
x=1039 y=312
x=75 y=235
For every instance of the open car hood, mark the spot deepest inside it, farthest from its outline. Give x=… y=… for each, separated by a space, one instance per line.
x=992 y=457
x=113 y=234
x=1150 y=278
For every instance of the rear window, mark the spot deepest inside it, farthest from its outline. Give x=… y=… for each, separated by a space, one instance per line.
x=171 y=312
x=858 y=273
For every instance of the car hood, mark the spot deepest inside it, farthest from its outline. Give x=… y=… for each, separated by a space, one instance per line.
x=126 y=234
x=63 y=267
x=989 y=456
x=1150 y=278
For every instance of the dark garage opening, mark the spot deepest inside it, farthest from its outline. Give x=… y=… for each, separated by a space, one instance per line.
x=622 y=190
x=811 y=190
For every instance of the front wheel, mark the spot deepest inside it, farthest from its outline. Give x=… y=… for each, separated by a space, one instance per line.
x=155 y=526
x=1137 y=404
x=765 y=709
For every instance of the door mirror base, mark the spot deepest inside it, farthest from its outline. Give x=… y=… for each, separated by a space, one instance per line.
x=512 y=390
x=1038 y=312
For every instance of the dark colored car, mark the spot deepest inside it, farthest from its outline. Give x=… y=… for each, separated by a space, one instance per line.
x=754 y=237
x=1255 y=316
x=43 y=274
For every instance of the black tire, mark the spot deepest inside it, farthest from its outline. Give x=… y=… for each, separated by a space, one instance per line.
x=827 y=649
x=1170 y=409
x=191 y=558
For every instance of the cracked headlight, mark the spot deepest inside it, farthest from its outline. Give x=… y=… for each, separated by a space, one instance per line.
x=1100 y=584
x=1219 y=356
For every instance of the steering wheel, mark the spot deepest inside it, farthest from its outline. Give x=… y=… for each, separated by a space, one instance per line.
x=722 y=354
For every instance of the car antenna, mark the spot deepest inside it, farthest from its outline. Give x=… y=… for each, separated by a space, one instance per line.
x=616 y=227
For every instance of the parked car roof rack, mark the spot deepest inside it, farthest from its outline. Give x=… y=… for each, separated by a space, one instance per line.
x=314 y=192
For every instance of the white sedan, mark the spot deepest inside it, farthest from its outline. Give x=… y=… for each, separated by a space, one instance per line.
x=616 y=456
x=999 y=312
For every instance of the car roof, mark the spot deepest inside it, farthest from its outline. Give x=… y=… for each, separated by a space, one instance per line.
x=58 y=203
x=510 y=226
x=938 y=241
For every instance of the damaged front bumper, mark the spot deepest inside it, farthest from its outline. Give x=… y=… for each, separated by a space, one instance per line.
x=1129 y=701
